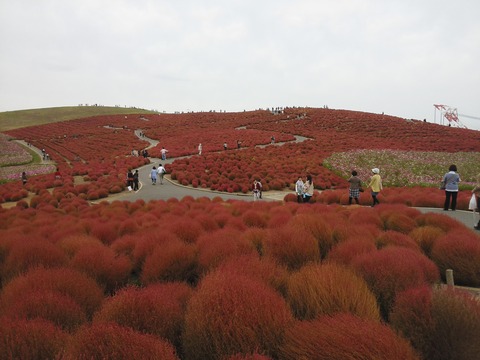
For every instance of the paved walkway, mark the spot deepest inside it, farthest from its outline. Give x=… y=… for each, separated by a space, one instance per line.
x=171 y=189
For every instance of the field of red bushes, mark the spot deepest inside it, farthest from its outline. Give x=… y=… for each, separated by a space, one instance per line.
x=208 y=279
x=213 y=279
x=99 y=148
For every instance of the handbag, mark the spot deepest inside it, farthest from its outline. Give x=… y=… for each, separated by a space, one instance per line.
x=442 y=185
x=472 y=205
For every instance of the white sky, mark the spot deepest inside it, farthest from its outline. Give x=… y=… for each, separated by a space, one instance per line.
x=398 y=57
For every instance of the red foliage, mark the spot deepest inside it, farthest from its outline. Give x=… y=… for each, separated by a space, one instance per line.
x=82 y=289
x=460 y=251
x=317 y=290
x=252 y=266
x=173 y=261
x=31 y=253
x=30 y=339
x=346 y=251
x=394 y=269
x=216 y=247
x=439 y=323
x=231 y=315
x=291 y=246
x=158 y=309
x=111 y=341
x=53 y=306
x=393 y=238
x=344 y=336
x=104 y=265
x=315 y=223
x=426 y=236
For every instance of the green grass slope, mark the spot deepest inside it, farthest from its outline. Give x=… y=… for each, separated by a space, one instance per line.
x=22 y=118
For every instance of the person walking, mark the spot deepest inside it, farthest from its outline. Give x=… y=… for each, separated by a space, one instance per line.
x=450 y=185
x=130 y=180
x=135 y=180
x=476 y=192
x=24 y=178
x=308 y=189
x=153 y=175
x=256 y=190
x=200 y=149
x=164 y=153
x=299 y=187
x=161 y=173
x=376 y=185
x=355 y=188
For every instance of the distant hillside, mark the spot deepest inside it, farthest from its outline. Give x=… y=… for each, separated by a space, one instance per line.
x=10 y=120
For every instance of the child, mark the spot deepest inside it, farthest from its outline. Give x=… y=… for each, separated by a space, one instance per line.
x=355 y=188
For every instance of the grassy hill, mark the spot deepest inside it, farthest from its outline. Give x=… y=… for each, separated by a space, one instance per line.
x=22 y=118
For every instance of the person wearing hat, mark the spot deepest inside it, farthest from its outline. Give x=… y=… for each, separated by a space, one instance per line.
x=376 y=185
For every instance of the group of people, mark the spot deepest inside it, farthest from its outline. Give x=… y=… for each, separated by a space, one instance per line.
x=375 y=184
x=132 y=180
x=157 y=173
x=304 y=190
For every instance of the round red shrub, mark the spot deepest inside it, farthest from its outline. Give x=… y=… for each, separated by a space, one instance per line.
x=213 y=248
x=292 y=247
x=30 y=339
x=394 y=269
x=31 y=253
x=394 y=238
x=440 y=323
x=112 y=341
x=316 y=224
x=81 y=288
x=104 y=265
x=426 y=236
x=251 y=265
x=158 y=309
x=317 y=290
x=58 y=308
x=344 y=336
x=346 y=251
x=460 y=251
x=173 y=261
x=231 y=315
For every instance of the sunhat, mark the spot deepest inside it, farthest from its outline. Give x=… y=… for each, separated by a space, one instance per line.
x=375 y=170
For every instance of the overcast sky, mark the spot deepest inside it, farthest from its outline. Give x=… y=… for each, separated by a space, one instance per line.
x=398 y=57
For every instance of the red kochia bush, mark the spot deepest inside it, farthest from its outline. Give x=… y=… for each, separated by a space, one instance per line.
x=58 y=308
x=173 y=261
x=213 y=248
x=82 y=289
x=394 y=238
x=231 y=315
x=291 y=246
x=112 y=341
x=426 y=236
x=158 y=309
x=30 y=339
x=460 y=251
x=251 y=265
x=343 y=337
x=439 y=323
x=31 y=253
x=317 y=290
x=346 y=251
x=101 y=263
x=315 y=223
x=394 y=269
